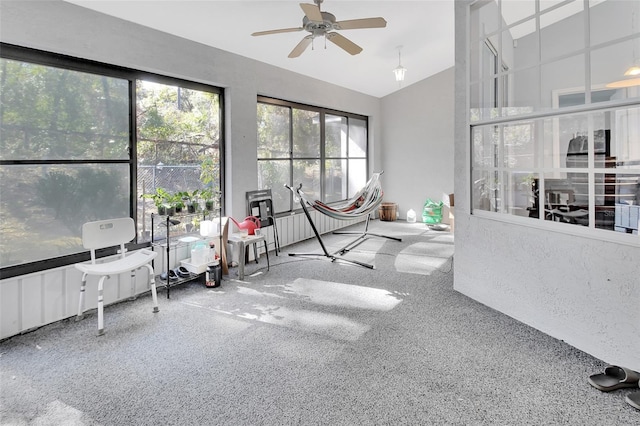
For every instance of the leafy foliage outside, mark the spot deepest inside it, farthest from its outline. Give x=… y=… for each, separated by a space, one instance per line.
x=64 y=147
x=290 y=151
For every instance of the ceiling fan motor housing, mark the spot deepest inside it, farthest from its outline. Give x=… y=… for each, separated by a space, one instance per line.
x=320 y=28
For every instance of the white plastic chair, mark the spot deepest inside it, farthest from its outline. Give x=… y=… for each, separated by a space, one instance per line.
x=109 y=233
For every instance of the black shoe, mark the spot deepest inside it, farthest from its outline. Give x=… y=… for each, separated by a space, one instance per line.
x=172 y=275
x=183 y=272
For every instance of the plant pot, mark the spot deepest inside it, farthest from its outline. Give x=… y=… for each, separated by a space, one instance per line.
x=171 y=211
x=208 y=205
x=162 y=210
x=192 y=208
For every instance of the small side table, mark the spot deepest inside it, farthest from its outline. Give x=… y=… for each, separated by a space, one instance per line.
x=237 y=239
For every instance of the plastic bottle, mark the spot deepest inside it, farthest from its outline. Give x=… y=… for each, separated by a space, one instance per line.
x=199 y=253
x=411 y=216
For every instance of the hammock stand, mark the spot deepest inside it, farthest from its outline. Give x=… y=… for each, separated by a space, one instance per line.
x=363 y=203
x=362 y=236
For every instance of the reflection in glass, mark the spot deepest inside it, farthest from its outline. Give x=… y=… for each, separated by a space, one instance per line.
x=524 y=49
x=519 y=145
x=335 y=136
x=307 y=173
x=273 y=131
x=564 y=23
x=357 y=138
x=609 y=64
x=566 y=198
x=524 y=92
x=357 y=175
x=625 y=140
x=485 y=146
x=581 y=168
x=273 y=174
x=486 y=190
x=306 y=134
x=57 y=200
x=626 y=15
x=626 y=196
x=513 y=11
x=57 y=114
x=520 y=193
x=335 y=180
x=554 y=76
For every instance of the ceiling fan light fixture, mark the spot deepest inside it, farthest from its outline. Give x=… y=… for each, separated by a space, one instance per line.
x=399 y=71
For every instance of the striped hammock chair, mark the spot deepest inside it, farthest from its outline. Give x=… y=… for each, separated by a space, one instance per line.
x=363 y=203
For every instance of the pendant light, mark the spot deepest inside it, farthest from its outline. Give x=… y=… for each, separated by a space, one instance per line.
x=634 y=69
x=399 y=71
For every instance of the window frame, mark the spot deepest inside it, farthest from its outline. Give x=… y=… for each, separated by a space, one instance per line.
x=45 y=58
x=482 y=119
x=323 y=112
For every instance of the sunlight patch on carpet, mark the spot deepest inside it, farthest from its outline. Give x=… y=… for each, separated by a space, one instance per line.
x=253 y=292
x=59 y=413
x=329 y=293
x=330 y=325
x=424 y=258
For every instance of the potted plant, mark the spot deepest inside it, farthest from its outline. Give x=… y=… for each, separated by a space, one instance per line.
x=161 y=199
x=207 y=195
x=178 y=201
x=192 y=201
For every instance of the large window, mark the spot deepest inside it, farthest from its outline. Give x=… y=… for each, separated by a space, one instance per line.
x=178 y=146
x=82 y=141
x=555 y=129
x=325 y=151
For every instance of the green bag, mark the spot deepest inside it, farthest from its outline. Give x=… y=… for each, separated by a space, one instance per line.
x=432 y=212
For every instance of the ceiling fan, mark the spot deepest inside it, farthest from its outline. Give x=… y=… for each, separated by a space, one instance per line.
x=320 y=23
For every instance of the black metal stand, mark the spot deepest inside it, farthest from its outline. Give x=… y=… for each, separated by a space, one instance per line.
x=363 y=236
x=325 y=253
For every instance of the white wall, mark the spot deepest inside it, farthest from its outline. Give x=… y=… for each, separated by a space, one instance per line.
x=417 y=156
x=581 y=290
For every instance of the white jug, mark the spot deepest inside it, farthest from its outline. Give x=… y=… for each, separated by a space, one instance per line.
x=411 y=216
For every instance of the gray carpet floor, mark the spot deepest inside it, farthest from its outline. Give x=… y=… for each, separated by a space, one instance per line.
x=309 y=342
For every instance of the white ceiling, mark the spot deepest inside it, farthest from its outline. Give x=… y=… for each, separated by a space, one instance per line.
x=424 y=28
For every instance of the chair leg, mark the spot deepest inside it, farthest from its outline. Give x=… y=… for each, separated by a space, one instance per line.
x=152 y=283
x=101 y=305
x=133 y=285
x=266 y=252
x=83 y=286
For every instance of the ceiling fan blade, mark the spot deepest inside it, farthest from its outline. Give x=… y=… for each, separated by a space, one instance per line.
x=354 y=24
x=282 y=30
x=301 y=47
x=344 y=43
x=312 y=11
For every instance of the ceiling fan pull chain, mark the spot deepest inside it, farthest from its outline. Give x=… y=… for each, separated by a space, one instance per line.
x=325 y=41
